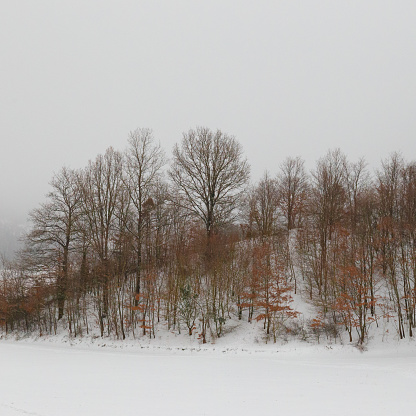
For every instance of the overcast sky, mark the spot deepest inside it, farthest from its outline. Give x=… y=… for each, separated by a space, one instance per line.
x=285 y=77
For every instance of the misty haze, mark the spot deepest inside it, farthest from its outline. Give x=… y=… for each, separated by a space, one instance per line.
x=207 y=208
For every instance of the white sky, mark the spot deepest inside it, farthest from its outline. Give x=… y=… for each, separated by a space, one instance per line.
x=285 y=77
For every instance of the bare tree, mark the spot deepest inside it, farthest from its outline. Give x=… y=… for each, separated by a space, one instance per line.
x=144 y=161
x=389 y=186
x=54 y=228
x=292 y=184
x=407 y=252
x=101 y=185
x=210 y=172
x=327 y=207
x=262 y=205
x=357 y=183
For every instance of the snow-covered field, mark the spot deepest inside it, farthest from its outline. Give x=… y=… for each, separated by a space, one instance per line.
x=53 y=379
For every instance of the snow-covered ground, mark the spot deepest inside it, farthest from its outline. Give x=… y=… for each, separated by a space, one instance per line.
x=56 y=379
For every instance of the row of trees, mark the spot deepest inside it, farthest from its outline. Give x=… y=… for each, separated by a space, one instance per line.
x=128 y=246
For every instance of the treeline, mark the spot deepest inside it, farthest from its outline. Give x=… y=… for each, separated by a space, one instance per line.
x=129 y=245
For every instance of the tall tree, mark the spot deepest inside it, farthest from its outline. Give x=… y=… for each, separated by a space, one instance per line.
x=144 y=160
x=210 y=172
x=101 y=185
x=327 y=208
x=53 y=229
x=389 y=180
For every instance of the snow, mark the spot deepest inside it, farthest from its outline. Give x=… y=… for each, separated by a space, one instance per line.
x=236 y=374
x=53 y=378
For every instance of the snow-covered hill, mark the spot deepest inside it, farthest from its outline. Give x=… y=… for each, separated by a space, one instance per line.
x=242 y=372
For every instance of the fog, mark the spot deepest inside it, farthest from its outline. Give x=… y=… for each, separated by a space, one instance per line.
x=284 y=77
